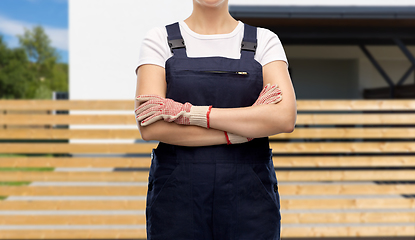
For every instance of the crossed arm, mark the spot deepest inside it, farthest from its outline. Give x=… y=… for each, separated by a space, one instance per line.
x=253 y=122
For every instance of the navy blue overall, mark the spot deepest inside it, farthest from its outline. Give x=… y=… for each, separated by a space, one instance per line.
x=221 y=192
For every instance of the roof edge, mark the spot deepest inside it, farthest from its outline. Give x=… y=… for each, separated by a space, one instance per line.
x=330 y=12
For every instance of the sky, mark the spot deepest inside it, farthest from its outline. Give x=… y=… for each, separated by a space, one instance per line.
x=52 y=15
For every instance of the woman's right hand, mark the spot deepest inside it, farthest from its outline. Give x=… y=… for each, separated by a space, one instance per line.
x=154 y=108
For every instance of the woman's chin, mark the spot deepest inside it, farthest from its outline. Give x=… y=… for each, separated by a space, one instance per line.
x=210 y=3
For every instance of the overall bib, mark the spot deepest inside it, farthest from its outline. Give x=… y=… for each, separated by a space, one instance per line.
x=221 y=192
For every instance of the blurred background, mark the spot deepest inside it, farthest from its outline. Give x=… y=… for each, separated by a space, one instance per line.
x=33 y=48
x=336 y=50
x=346 y=172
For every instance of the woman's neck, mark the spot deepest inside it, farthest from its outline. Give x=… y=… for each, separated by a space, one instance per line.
x=211 y=20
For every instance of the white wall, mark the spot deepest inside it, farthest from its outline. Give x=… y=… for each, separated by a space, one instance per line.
x=105 y=37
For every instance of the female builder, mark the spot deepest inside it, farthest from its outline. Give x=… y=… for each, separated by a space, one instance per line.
x=209 y=88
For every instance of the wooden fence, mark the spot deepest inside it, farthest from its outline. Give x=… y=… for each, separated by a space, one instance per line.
x=348 y=169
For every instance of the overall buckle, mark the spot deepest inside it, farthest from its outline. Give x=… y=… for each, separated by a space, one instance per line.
x=176 y=43
x=248 y=46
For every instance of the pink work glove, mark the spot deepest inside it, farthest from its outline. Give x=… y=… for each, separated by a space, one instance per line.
x=156 y=108
x=270 y=94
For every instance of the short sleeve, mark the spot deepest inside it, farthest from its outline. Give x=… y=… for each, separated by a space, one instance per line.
x=154 y=48
x=269 y=47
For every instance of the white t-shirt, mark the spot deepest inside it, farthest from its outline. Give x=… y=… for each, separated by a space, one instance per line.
x=155 y=49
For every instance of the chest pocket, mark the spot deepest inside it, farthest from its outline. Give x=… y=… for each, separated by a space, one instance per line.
x=219 y=88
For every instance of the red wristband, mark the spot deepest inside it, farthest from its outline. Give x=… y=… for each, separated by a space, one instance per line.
x=207 y=116
x=227 y=138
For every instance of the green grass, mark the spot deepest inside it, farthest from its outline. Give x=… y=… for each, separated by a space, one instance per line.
x=27 y=155
x=11 y=155
x=14 y=183
x=26 y=169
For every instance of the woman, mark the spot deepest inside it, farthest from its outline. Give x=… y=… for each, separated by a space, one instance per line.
x=200 y=92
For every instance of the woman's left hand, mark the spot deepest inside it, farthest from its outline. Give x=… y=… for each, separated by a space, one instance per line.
x=270 y=94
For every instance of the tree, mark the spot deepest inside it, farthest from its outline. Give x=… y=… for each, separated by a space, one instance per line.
x=31 y=70
x=16 y=79
x=37 y=45
x=50 y=75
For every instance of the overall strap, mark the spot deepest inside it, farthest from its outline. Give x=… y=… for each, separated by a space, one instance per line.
x=175 y=40
x=249 y=42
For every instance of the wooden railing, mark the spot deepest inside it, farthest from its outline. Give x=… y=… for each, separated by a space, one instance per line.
x=347 y=170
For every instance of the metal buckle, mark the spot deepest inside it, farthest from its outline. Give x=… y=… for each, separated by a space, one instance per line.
x=249 y=46
x=176 y=43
